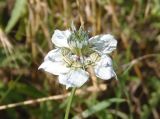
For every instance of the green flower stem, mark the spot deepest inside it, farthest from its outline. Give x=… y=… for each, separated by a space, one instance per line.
x=70 y=98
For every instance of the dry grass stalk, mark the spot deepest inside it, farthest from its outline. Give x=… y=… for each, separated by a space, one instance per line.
x=5 y=42
x=101 y=87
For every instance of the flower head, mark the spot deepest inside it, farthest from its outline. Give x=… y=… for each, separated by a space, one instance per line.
x=75 y=52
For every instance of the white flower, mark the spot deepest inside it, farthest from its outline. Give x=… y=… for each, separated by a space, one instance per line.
x=59 y=38
x=103 y=43
x=75 y=78
x=54 y=64
x=103 y=68
x=69 y=61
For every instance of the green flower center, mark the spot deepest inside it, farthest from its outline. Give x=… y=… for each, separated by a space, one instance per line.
x=75 y=61
x=78 y=42
x=79 y=54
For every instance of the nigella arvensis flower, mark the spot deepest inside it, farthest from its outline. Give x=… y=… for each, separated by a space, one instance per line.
x=75 y=52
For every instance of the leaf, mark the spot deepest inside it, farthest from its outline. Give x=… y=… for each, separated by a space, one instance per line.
x=98 y=107
x=18 y=10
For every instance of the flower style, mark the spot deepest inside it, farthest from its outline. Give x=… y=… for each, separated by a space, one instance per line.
x=74 y=52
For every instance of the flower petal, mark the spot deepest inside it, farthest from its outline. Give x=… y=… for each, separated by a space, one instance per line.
x=104 y=61
x=103 y=43
x=59 y=38
x=55 y=68
x=104 y=73
x=75 y=78
x=54 y=55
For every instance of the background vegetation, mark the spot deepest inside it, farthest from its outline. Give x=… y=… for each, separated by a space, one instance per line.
x=26 y=27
